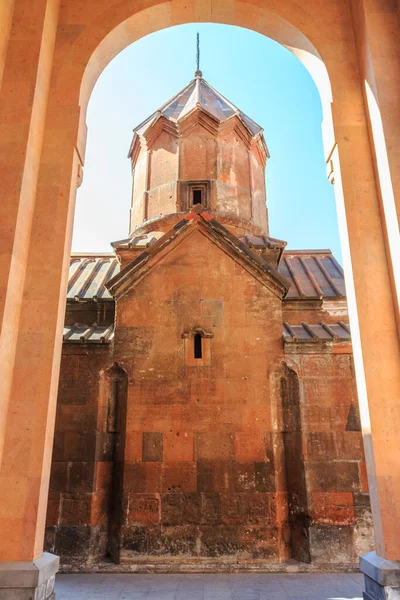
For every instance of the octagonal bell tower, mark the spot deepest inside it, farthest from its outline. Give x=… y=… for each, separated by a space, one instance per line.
x=199 y=149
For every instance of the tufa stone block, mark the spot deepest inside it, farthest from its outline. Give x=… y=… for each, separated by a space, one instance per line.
x=152 y=447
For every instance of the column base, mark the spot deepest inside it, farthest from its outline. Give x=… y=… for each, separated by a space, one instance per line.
x=381 y=577
x=29 y=580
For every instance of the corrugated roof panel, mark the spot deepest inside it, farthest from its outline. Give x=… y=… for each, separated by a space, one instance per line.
x=320 y=332
x=316 y=265
x=335 y=271
x=301 y=333
x=313 y=274
x=307 y=332
x=88 y=334
x=299 y=275
x=93 y=282
x=342 y=333
x=88 y=276
x=101 y=334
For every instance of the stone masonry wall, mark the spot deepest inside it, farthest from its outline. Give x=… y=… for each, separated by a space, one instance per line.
x=202 y=472
x=254 y=452
x=339 y=518
x=81 y=474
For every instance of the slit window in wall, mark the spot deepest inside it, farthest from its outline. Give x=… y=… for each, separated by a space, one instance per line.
x=197 y=347
x=198 y=353
x=193 y=193
x=197 y=195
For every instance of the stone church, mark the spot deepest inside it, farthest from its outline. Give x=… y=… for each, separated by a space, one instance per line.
x=207 y=414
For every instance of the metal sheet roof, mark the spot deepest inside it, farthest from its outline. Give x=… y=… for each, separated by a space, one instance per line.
x=314 y=274
x=306 y=332
x=198 y=93
x=95 y=334
x=88 y=276
x=89 y=334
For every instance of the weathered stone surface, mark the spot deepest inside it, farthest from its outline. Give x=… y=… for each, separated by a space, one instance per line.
x=241 y=457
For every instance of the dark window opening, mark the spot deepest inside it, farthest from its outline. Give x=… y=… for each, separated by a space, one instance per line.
x=197 y=197
x=197 y=346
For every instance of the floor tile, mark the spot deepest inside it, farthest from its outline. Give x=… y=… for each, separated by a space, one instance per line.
x=248 y=586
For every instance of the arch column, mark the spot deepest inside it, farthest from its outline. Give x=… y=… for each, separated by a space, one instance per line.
x=377 y=33
x=26 y=423
x=28 y=31
x=363 y=159
x=38 y=351
x=24 y=477
x=6 y=13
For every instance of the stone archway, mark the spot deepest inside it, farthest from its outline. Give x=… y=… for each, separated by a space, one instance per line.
x=64 y=49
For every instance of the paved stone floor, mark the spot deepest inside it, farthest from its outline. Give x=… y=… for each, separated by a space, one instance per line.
x=270 y=586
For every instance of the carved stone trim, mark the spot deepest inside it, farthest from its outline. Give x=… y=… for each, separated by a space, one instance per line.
x=194 y=331
x=185 y=193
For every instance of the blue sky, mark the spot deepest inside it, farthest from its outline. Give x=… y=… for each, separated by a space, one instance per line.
x=258 y=75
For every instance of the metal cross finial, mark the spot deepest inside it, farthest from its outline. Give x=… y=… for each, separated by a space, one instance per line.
x=198 y=73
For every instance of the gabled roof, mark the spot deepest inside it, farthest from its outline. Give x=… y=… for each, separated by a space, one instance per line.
x=199 y=219
x=90 y=273
x=198 y=94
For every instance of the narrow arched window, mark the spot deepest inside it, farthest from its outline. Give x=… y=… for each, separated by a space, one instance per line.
x=197 y=346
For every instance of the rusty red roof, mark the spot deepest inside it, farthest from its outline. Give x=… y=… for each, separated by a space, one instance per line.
x=313 y=273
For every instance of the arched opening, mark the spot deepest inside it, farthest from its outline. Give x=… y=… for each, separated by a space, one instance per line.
x=63 y=152
x=115 y=392
x=146 y=511
x=279 y=24
x=284 y=102
x=298 y=511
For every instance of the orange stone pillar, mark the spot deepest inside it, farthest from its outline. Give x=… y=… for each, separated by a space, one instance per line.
x=377 y=30
x=24 y=476
x=369 y=151
x=27 y=36
x=6 y=12
x=377 y=34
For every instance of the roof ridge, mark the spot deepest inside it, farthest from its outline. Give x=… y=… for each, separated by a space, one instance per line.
x=219 y=235
x=309 y=251
x=216 y=107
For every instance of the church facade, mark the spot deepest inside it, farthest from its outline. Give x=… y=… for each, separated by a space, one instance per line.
x=207 y=412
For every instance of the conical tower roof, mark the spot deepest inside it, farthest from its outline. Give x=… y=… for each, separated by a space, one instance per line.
x=199 y=94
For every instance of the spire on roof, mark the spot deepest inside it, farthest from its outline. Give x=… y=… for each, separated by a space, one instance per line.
x=198 y=93
x=198 y=73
